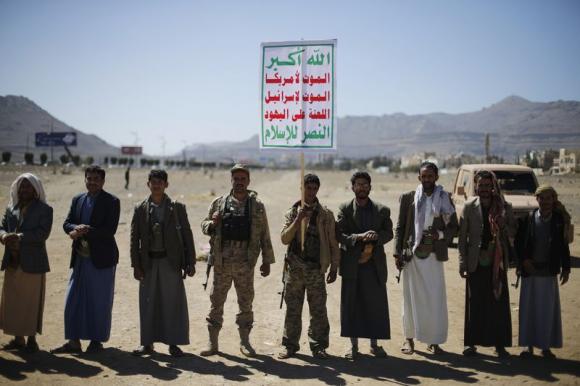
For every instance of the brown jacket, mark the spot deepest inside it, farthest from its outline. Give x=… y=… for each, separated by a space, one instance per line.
x=407 y=214
x=329 y=252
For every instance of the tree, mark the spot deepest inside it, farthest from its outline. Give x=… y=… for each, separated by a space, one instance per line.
x=144 y=162
x=89 y=160
x=131 y=161
x=64 y=159
x=43 y=158
x=29 y=158
x=113 y=160
x=76 y=159
x=6 y=155
x=106 y=160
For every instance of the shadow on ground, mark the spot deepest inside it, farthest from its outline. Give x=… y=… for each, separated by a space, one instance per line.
x=233 y=368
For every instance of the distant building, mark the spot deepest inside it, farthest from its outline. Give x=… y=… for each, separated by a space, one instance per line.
x=566 y=163
x=415 y=160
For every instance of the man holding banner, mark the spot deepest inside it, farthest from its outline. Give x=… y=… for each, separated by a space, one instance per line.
x=308 y=257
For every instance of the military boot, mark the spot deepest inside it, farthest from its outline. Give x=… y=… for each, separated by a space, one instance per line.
x=212 y=348
x=245 y=346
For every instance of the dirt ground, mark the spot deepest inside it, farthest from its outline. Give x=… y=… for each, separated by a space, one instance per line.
x=278 y=189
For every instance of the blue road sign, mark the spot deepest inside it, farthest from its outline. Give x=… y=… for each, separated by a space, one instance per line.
x=56 y=139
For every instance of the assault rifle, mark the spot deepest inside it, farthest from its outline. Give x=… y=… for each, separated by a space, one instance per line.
x=283 y=292
x=208 y=270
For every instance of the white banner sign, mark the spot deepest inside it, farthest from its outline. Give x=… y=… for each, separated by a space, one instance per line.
x=298 y=95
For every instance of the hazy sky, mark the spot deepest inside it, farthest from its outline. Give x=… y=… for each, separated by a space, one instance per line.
x=188 y=71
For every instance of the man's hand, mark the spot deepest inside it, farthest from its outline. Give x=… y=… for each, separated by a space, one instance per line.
x=564 y=276
x=369 y=236
x=528 y=266
x=331 y=277
x=79 y=231
x=216 y=218
x=138 y=273
x=265 y=269
x=189 y=271
x=463 y=273
x=500 y=221
x=10 y=239
x=434 y=234
x=303 y=213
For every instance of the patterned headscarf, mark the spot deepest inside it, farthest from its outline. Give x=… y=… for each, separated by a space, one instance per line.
x=36 y=184
x=496 y=209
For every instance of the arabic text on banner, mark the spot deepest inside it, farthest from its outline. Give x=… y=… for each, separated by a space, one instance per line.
x=298 y=95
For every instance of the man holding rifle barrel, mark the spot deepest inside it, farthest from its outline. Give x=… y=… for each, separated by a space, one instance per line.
x=308 y=257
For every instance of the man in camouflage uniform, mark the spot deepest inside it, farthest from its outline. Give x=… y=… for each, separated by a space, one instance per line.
x=305 y=270
x=238 y=227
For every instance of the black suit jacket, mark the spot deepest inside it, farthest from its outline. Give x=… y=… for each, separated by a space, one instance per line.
x=347 y=225
x=101 y=237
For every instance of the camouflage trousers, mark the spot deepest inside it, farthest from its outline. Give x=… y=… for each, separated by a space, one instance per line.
x=234 y=269
x=303 y=279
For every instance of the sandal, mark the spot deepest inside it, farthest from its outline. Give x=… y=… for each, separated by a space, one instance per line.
x=408 y=347
x=13 y=345
x=547 y=354
x=351 y=354
x=435 y=349
x=175 y=351
x=378 y=352
x=527 y=353
x=470 y=351
x=143 y=350
x=66 y=348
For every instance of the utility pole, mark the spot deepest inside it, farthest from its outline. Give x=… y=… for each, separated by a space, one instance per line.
x=487 y=155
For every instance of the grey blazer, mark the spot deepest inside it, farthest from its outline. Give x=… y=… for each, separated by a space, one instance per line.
x=470 y=230
x=35 y=230
x=180 y=250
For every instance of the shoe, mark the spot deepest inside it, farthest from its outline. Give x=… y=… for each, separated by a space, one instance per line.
x=527 y=353
x=470 y=351
x=547 y=354
x=13 y=345
x=287 y=353
x=434 y=349
x=175 y=351
x=67 y=348
x=408 y=347
x=31 y=347
x=94 y=347
x=143 y=350
x=378 y=352
x=352 y=354
x=501 y=352
x=320 y=354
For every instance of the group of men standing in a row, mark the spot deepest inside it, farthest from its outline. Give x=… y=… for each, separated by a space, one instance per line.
x=163 y=254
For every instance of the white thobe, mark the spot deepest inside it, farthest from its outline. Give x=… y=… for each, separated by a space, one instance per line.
x=424 y=295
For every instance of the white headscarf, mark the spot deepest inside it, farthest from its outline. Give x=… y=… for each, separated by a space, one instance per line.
x=36 y=184
x=441 y=205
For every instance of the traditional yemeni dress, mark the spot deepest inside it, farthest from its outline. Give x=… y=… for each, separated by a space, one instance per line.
x=364 y=305
x=540 y=314
x=424 y=296
x=89 y=297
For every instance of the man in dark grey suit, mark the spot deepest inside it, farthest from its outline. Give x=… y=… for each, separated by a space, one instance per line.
x=363 y=228
x=162 y=254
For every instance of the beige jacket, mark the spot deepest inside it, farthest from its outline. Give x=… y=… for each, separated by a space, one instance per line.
x=329 y=251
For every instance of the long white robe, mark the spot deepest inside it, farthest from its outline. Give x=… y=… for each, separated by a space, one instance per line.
x=424 y=295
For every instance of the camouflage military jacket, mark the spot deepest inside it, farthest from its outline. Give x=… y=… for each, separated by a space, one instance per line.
x=329 y=251
x=259 y=231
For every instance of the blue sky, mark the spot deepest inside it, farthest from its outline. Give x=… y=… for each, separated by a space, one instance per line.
x=188 y=71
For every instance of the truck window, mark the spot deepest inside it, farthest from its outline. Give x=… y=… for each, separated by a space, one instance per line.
x=516 y=182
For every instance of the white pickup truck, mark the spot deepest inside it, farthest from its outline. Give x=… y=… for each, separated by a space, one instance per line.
x=518 y=185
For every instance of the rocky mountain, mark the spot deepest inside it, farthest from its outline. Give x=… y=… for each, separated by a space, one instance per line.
x=514 y=124
x=21 y=118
